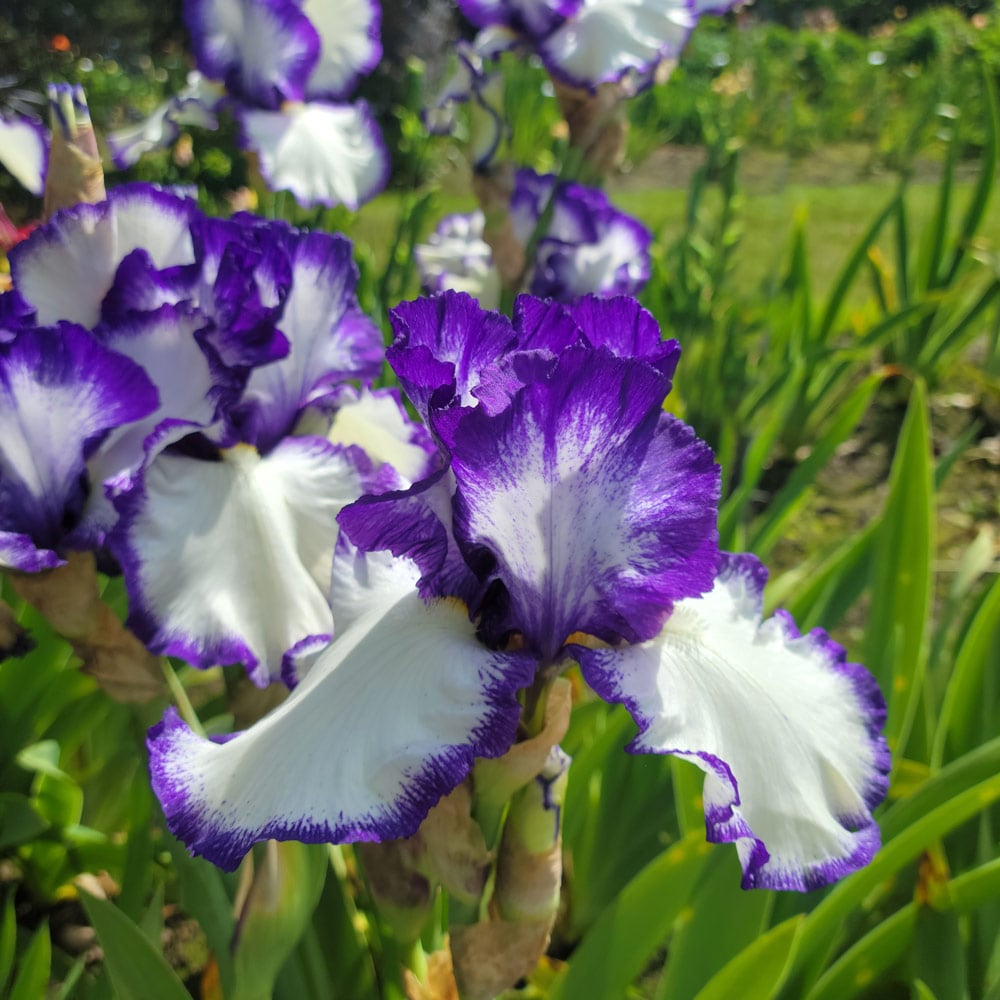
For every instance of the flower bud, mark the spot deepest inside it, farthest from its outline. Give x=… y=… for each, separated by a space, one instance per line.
x=75 y=173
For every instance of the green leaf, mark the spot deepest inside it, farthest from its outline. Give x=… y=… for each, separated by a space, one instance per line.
x=720 y=920
x=618 y=946
x=757 y=970
x=902 y=574
x=864 y=963
x=793 y=494
x=887 y=943
x=956 y=723
x=135 y=967
x=845 y=279
x=203 y=894
x=34 y=967
x=19 y=822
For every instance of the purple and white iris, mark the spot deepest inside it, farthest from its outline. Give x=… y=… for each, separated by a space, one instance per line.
x=571 y=518
x=588 y=246
x=586 y=43
x=288 y=67
x=169 y=384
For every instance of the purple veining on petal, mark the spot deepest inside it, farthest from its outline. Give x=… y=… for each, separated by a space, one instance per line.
x=598 y=509
x=417 y=524
x=330 y=341
x=627 y=330
x=443 y=345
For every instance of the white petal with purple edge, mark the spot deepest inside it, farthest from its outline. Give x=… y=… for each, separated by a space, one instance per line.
x=787 y=732
x=387 y=720
x=229 y=561
x=349 y=44
x=263 y=49
x=23 y=151
x=67 y=266
x=324 y=154
x=608 y=38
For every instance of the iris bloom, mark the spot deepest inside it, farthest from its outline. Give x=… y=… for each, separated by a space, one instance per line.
x=588 y=247
x=572 y=518
x=288 y=68
x=205 y=374
x=587 y=43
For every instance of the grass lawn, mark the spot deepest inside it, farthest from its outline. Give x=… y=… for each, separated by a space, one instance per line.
x=838 y=207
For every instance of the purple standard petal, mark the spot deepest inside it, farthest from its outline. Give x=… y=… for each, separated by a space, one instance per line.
x=66 y=267
x=385 y=721
x=325 y=154
x=229 y=561
x=443 y=346
x=330 y=341
x=264 y=50
x=60 y=393
x=627 y=330
x=597 y=507
x=788 y=733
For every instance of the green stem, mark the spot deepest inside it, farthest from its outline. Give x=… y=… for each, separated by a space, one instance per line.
x=180 y=698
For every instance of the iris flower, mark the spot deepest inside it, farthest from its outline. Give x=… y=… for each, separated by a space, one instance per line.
x=571 y=519
x=288 y=68
x=587 y=43
x=180 y=395
x=588 y=246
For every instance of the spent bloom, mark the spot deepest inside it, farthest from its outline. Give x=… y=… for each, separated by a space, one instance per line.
x=569 y=518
